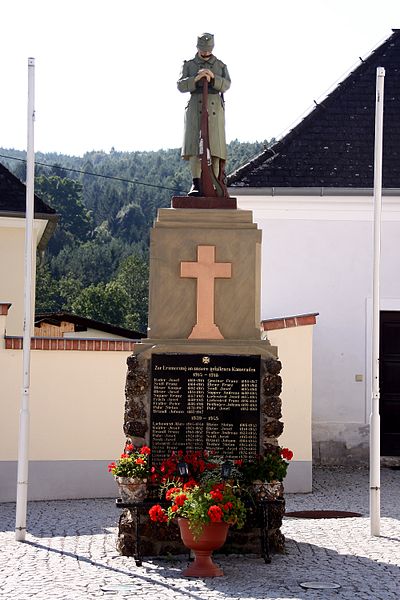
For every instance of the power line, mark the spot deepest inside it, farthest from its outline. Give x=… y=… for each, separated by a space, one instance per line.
x=135 y=181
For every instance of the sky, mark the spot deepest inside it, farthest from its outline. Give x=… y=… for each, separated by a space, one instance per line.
x=106 y=72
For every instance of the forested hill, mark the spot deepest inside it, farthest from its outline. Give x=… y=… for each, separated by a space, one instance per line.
x=96 y=263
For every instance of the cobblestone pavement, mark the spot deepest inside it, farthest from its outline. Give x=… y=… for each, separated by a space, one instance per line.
x=70 y=552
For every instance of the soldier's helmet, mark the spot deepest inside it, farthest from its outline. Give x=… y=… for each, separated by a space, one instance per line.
x=205 y=42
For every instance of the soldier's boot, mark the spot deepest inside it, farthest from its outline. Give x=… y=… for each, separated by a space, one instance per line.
x=195 y=190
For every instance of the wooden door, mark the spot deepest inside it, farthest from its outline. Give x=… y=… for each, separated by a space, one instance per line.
x=389 y=379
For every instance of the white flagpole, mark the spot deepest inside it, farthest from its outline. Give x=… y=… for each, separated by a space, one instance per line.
x=23 y=442
x=375 y=438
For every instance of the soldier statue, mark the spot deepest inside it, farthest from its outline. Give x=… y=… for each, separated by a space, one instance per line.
x=204 y=66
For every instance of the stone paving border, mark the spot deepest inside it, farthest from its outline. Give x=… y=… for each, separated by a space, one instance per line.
x=70 y=552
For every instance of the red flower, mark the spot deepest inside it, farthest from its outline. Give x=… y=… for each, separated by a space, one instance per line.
x=212 y=466
x=189 y=484
x=238 y=462
x=171 y=491
x=215 y=514
x=145 y=450
x=139 y=461
x=286 y=454
x=123 y=455
x=218 y=487
x=129 y=447
x=157 y=513
x=111 y=466
x=228 y=506
x=216 y=495
x=174 y=508
x=180 y=499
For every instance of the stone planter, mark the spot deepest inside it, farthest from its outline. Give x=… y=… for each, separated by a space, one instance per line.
x=212 y=537
x=267 y=490
x=132 y=489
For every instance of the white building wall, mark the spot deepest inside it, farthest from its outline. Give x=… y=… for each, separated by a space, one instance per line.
x=12 y=245
x=317 y=257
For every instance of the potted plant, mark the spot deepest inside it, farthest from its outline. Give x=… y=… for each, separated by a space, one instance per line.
x=264 y=473
x=131 y=471
x=204 y=512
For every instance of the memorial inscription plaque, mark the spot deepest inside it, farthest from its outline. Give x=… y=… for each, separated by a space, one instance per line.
x=205 y=402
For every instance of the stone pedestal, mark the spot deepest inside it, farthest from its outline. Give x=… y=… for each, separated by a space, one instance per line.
x=204 y=299
x=138 y=384
x=175 y=239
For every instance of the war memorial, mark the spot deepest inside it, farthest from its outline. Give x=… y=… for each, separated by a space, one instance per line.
x=203 y=379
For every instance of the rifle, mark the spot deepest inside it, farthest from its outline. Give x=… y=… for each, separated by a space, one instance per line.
x=211 y=185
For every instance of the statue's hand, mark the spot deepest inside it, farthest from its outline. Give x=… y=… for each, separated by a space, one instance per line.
x=204 y=73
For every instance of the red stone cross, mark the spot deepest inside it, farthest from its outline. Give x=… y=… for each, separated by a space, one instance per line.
x=206 y=270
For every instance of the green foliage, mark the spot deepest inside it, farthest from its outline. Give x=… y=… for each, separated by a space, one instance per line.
x=201 y=504
x=65 y=196
x=272 y=466
x=133 y=463
x=96 y=262
x=47 y=297
x=133 y=277
x=103 y=302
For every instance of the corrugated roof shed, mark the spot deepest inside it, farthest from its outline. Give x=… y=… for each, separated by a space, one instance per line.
x=334 y=145
x=83 y=323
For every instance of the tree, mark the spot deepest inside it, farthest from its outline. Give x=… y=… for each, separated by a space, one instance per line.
x=133 y=277
x=94 y=261
x=103 y=302
x=65 y=196
x=47 y=297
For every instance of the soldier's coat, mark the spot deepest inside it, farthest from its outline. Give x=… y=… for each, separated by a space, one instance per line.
x=216 y=110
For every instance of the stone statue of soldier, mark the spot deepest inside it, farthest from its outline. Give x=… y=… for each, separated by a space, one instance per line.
x=204 y=66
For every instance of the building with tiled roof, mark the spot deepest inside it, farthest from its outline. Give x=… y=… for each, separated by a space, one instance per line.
x=77 y=375
x=333 y=147
x=12 y=242
x=13 y=203
x=312 y=195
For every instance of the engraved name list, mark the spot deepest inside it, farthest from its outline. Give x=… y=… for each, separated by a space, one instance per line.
x=205 y=402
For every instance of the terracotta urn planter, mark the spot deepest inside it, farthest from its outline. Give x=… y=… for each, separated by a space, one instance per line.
x=132 y=489
x=267 y=490
x=212 y=537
